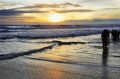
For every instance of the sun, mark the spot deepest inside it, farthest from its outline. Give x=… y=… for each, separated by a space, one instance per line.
x=55 y=18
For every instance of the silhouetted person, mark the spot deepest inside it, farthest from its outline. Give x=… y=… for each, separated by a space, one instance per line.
x=105 y=37
x=105 y=56
x=115 y=35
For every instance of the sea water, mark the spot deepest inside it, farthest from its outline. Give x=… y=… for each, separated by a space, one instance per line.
x=81 y=48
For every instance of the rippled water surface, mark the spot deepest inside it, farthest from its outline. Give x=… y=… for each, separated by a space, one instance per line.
x=78 y=57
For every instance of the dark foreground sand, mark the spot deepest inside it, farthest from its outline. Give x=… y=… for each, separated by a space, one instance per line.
x=65 y=62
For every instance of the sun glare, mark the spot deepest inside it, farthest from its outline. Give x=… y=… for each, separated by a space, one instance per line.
x=56 y=18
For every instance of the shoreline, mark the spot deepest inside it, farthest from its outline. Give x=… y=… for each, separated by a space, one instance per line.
x=55 y=63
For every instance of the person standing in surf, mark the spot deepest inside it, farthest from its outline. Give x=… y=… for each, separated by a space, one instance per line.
x=105 y=42
x=115 y=35
x=105 y=38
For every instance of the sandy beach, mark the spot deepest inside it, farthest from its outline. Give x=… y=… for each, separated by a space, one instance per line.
x=59 y=39
x=81 y=60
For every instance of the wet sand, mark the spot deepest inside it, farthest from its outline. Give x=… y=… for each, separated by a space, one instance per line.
x=74 y=61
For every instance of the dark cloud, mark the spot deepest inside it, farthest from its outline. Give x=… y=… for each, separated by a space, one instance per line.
x=69 y=11
x=94 y=21
x=94 y=0
x=14 y=12
x=70 y=4
x=63 y=5
x=111 y=9
x=33 y=9
x=10 y=12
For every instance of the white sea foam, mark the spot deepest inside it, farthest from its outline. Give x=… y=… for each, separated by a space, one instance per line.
x=33 y=32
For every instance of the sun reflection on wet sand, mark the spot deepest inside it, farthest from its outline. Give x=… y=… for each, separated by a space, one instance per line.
x=56 y=74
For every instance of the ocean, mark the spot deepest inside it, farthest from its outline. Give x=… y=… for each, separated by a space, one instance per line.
x=28 y=52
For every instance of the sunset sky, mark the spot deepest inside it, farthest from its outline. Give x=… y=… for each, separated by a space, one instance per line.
x=59 y=11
